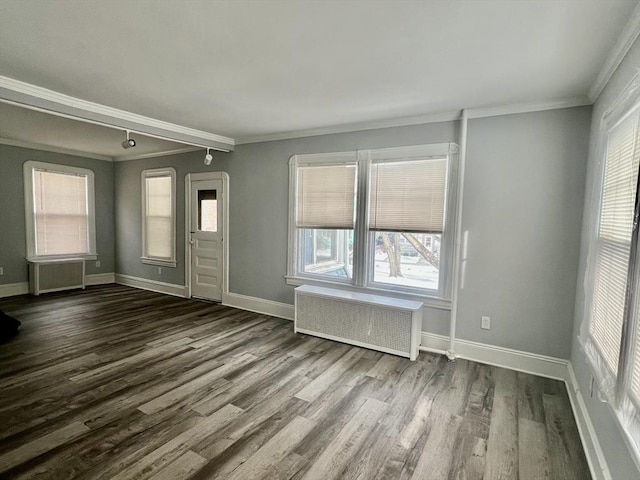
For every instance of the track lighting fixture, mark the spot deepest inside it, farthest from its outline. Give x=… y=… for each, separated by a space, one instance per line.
x=208 y=158
x=129 y=142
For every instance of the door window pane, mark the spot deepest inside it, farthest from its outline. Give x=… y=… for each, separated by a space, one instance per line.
x=207 y=211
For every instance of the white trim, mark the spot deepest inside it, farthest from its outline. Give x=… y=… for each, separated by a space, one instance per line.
x=542 y=365
x=27 y=169
x=259 y=305
x=152 y=285
x=592 y=449
x=82 y=109
x=99 y=278
x=623 y=44
x=450 y=116
x=189 y=177
x=12 y=289
x=48 y=148
x=529 y=107
x=154 y=173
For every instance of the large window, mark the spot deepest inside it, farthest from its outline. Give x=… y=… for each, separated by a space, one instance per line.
x=60 y=214
x=159 y=217
x=612 y=339
x=375 y=219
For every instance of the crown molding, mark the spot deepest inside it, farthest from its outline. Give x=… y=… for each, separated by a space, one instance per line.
x=623 y=44
x=481 y=112
x=530 y=107
x=25 y=94
x=49 y=148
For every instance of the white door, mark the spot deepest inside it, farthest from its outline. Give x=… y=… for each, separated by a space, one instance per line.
x=206 y=232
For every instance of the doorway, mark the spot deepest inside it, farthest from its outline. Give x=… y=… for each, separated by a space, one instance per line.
x=206 y=227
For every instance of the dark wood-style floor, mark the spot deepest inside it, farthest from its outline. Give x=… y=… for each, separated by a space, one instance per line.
x=118 y=383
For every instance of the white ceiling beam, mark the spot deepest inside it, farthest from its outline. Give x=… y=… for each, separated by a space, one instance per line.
x=32 y=96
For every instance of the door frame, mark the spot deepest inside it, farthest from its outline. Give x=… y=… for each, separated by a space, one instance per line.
x=192 y=177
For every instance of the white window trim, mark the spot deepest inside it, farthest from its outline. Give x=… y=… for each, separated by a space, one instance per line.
x=28 y=168
x=361 y=281
x=158 y=172
x=611 y=386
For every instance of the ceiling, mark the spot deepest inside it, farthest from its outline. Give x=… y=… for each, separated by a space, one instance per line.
x=246 y=69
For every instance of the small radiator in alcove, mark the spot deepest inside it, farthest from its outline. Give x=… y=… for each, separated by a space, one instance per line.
x=55 y=275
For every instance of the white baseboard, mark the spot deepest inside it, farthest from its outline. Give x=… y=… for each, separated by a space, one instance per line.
x=152 y=285
x=520 y=361
x=258 y=305
x=99 y=278
x=11 y=289
x=592 y=449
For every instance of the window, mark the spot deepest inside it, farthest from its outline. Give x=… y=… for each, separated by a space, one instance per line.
x=374 y=219
x=60 y=217
x=159 y=217
x=612 y=340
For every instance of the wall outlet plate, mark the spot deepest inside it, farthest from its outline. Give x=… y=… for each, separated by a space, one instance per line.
x=1 y=270
x=486 y=323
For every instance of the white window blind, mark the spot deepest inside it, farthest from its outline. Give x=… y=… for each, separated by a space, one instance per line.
x=159 y=217
x=61 y=213
x=325 y=196
x=614 y=238
x=408 y=196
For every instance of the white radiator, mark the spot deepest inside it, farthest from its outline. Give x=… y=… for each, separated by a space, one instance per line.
x=54 y=275
x=381 y=323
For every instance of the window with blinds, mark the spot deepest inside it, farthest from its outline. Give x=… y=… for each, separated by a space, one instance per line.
x=60 y=215
x=158 y=197
x=374 y=218
x=614 y=238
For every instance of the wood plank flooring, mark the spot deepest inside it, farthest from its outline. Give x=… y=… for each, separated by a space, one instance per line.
x=118 y=383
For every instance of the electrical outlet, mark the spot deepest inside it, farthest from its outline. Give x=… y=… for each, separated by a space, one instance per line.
x=486 y=323
x=97 y=263
x=1 y=270
x=159 y=270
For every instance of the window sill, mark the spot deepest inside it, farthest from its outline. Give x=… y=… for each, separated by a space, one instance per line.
x=158 y=262
x=431 y=302
x=61 y=258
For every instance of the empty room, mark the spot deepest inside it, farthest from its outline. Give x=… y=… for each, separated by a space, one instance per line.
x=305 y=239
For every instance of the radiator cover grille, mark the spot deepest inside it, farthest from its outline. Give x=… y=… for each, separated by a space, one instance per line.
x=362 y=320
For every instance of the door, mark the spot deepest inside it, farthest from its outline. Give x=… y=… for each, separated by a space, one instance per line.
x=206 y=237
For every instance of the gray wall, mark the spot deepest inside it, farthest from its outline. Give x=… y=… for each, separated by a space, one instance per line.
x=523 y=204
x=618 y=457
x=13 y=248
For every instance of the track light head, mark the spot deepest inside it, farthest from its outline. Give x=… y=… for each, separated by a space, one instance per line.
x=129 y=142
x=208 y=158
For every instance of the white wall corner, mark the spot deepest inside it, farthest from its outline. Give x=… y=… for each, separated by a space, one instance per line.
x=592 y=449
x=258 y=305
x=11 y=289
x=99 y=278
x=152 y=285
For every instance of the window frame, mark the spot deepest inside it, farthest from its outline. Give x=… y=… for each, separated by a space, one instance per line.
x=362 y=278
x=614 y=387
x=30 y=220
x=145 y=258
